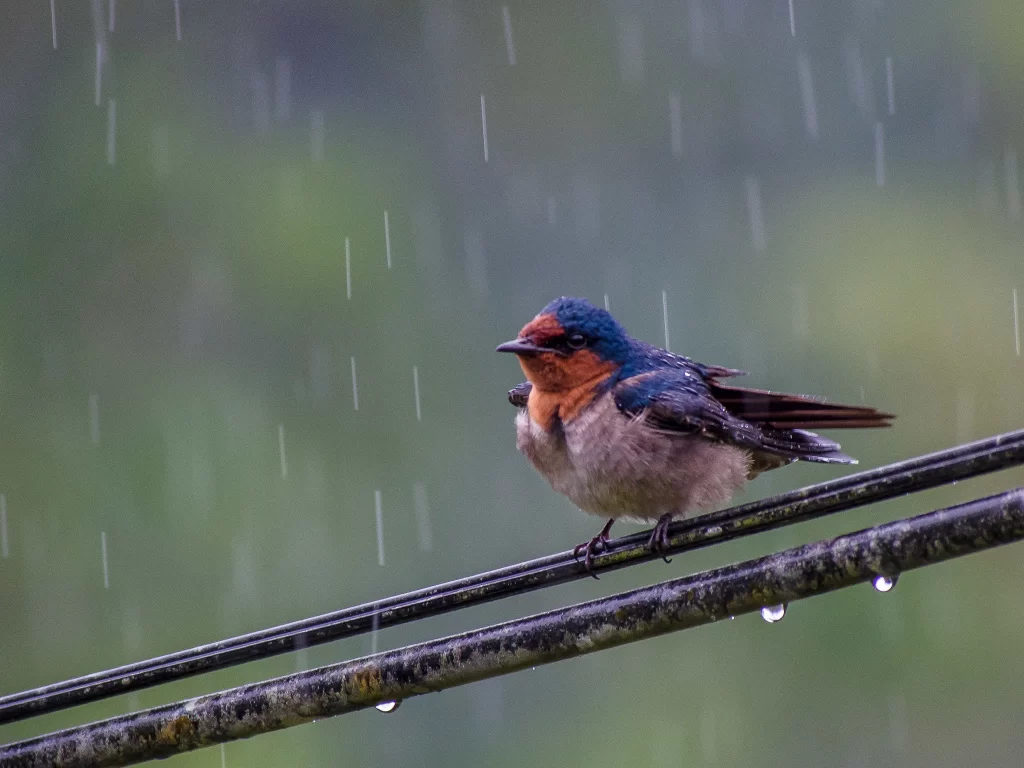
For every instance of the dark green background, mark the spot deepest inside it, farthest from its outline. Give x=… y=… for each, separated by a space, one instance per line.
x=196 y=288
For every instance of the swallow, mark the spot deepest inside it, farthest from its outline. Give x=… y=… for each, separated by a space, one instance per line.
x=628 y=430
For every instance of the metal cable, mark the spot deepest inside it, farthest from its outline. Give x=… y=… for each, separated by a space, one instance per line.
x=778 y=579
x=958 y=463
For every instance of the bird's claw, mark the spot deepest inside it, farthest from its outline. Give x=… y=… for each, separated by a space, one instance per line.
x=591 y=548
x=659 y=543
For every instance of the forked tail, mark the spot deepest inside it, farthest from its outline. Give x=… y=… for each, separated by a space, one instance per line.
x=785 y=411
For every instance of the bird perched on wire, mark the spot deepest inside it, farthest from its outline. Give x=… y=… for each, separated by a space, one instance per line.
x=626 y=429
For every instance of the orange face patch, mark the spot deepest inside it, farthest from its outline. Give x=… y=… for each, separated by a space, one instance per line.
x=552 y=372
x=562 y=386
x=543 y=408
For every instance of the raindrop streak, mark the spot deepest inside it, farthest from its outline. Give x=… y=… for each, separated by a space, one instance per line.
x=792 y=19
x=664 y=316
x=483 y=124
x=675 y=124
x=348 y=268
x=890 y=91
x=607 y=307
x=551 y=212
x=416 y=391
x=103 y=552
x=1012 y=188
x=387 y=706
x=283 y=89
x=510 y=46
x=280 y=450
x=111 y=132
x=879 y=154
x=379 y=509
x=419 y=496
x=53 y=22
x=884 y=583
x=5 y=551
x=316 y=135
x=260 y=104
x=387 y=239
x=111 y=8
x=355 y=387
x=773 y=613
x=99 y=71
x=223 y=757
x=1016 y=323
x=301 y=655
x=803 y=68
x=94 y=418
x=177 y=19
x=374 y=630
x=755 y=213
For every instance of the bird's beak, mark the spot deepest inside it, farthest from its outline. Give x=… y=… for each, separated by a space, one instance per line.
x=520 y=347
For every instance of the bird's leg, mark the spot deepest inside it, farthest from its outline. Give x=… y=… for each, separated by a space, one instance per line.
x=658 y=542
x=592 y=547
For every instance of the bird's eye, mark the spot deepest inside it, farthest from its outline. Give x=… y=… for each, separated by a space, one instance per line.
x=576 y=341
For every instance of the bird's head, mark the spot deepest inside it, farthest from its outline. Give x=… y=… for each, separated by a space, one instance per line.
x=569 y=344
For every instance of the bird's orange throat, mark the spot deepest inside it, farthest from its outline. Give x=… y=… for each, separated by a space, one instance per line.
x=548 y=408
x=558 y=373
x=562 y=386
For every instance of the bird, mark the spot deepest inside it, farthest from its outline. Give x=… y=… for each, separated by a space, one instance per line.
x=629 y=430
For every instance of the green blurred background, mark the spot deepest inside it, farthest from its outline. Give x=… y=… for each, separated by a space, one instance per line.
x=174 y=309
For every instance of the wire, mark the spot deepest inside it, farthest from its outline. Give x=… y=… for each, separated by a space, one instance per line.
x=958 y=463
x=385 y=679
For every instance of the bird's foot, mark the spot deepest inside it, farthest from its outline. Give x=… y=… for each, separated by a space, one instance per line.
x=658 y=543
x=593 y=547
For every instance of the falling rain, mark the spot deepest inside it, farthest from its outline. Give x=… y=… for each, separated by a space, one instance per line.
x=169 y=319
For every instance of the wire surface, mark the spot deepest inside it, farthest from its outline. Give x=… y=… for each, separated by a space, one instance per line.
x=928 y=471
x=781 y=578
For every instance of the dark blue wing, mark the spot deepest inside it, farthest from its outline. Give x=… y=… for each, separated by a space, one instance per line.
x=647 y=358
x=679 y=400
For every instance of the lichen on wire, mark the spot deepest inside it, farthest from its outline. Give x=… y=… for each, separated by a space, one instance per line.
x=958 y=463
x=784 y=577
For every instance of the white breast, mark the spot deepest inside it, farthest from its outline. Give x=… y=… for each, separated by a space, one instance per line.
x=614 y=466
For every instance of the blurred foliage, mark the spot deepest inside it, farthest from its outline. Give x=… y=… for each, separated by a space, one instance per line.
x=196 y=289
